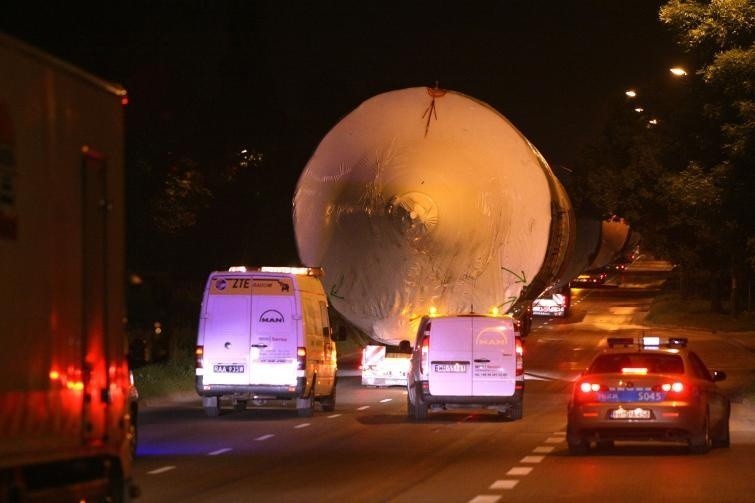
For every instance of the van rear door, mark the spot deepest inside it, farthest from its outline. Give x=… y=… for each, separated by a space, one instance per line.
x=450 y=357
x=274 y=331
x=494 y=357
x=226 y=330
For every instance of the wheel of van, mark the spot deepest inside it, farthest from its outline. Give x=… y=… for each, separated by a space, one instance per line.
x=328 y=403
x=514 y=412
x=305 y=407
x=411 y=410
x=700 y=442
x=420 y=407
x=211 y=405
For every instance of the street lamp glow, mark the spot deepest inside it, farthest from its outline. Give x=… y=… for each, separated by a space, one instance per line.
x=653 y=122
x=631 y=93
x=678 y=71
x=639 y=110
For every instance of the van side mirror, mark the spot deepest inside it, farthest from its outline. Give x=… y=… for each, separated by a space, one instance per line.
x=405 y=346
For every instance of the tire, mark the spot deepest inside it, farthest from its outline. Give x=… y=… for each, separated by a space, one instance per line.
x=604 y=444
x=577 y=444
x=515 y=412
x=239 y=405
x=305 y=407
x=723 y=439
x=411 y=410
x=328 y=403
x=211 y=405
x=133 y=430
x=700 y=442
x=420 y=407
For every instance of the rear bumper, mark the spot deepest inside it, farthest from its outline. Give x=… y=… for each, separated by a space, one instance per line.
x=253 y=390
x=667 y=422
x=514 y=399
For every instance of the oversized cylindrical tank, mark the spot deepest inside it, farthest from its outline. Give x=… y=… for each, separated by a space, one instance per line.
x=423 y=198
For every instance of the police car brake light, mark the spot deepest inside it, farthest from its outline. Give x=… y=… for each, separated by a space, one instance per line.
x=634 y=370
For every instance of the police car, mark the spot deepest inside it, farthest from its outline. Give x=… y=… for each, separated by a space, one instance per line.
x=651 y=389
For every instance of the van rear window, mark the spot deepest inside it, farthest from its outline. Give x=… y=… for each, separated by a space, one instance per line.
x=654 y=363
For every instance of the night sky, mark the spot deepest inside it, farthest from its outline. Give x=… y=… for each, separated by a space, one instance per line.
x=209 y=78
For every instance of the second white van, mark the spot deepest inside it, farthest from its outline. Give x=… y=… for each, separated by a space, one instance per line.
x=471 y=361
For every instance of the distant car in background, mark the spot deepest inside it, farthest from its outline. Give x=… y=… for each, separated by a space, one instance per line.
x=593 y=277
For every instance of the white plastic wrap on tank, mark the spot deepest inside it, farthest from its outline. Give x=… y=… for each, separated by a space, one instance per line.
x=422 y=198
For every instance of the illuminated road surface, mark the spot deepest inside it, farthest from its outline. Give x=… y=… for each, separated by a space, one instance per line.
x=368 y=451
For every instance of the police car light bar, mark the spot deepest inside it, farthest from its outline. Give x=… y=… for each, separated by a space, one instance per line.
x=619 y=341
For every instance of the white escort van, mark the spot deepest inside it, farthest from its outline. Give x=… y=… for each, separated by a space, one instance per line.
x=471 y=361
x=264 y=334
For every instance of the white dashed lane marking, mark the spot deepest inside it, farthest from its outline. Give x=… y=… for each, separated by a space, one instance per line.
x=363 y=407
x=333 y=416
x=219 y=451
x=264 y=437
x=532 y=459
x=485 y=498
x=384 y=400
x=161 y=470
x=303 y=425
x=519 y=470
x=543 y=449
x=504 y=484
x=554 y=440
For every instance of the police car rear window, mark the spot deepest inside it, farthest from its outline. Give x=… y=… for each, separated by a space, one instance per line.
x=654 y=363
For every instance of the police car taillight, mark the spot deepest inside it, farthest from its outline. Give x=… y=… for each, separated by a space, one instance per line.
x=676 y=387
x=519 y=357
x=199 y=357
x=301 y=358
x=588 y=387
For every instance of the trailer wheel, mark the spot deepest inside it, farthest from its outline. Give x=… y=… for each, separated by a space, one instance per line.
x=411 y=410
x=211 y=405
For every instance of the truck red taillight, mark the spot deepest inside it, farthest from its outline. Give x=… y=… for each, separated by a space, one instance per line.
x=519 y=357
x=301 y=358
x=199 y=357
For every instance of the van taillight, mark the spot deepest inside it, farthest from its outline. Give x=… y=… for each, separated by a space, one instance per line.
x=423 y=365
x=301 y=358
x=199 y=355
x=519 y=357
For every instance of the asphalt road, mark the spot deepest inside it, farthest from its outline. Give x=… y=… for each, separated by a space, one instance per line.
x=367 y=450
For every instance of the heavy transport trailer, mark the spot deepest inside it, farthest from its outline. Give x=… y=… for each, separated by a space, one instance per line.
x=66 y=431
